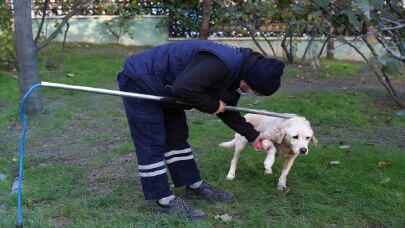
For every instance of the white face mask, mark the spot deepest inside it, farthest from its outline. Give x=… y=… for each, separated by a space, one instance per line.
x=244 y=93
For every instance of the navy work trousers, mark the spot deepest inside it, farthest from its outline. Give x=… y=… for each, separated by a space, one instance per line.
x=159 y=134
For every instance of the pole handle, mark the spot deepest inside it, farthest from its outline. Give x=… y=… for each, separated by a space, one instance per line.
x=158 y=98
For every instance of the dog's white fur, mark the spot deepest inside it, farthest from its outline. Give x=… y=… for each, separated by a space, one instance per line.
x=290 y=137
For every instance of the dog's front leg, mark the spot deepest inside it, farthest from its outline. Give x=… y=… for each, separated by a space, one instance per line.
x=269 y=161
x=282 y=181
x=240 y=145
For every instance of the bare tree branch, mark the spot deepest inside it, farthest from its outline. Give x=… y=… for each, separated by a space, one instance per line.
x=64 y=38
x=63 y=46
x=78 y=6
x=291 y=48
x=393 y=28
x=388 y=49
x=55 y=33
x=385 y=76
x=355 y=48
x=307 y=48
x=309 y=44
x=384 y=79
x=393 y=8
x=44 y=9
x=386 y=19
x=251 y=31
x=377 y=74
x=399 y=24
x=324 y=45
x=252 y=35
x=288 y=49
x=268 y=43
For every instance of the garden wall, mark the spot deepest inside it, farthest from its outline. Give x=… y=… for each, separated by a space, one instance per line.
x=142 y=30
x=150 y=31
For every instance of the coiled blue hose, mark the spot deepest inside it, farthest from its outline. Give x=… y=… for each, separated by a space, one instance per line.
x=21 y=148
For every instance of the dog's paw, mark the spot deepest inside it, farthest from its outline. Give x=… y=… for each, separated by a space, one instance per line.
x=281 y=187
x=268 y=171
x=230 y=177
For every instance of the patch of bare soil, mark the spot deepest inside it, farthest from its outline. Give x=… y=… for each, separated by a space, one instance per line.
x=296 y=85
x=120 y=169
x=108 y=50
x=61 y=222
x=117 y=168
x=374 y=135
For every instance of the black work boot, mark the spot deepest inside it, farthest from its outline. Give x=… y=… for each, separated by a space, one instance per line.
x=179 y=207
x=207 y=192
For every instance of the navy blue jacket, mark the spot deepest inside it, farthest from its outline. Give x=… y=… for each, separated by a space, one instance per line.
x=163 y=71
x=159 y=67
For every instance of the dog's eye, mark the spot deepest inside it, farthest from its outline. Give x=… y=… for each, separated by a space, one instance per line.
x=295 y=137
x=308 y=138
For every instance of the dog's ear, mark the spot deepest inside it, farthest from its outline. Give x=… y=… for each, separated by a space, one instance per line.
x=277 y=135
x=314 y=140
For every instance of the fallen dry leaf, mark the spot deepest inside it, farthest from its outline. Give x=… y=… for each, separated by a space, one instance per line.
x=70 y=75
x=224 y=217
x=15 y=126
x=344 y=147
x=385 y=180
x=384 y=163
x=334 y=162
x=401 y=113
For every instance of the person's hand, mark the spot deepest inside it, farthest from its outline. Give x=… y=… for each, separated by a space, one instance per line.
x=258 y=143
x=221 y=108
x=261 y=143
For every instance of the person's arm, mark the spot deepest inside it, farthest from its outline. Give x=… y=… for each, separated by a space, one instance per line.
x=204 y=72
x=234 y=119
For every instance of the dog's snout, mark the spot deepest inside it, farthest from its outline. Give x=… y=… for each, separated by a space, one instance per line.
x=303 y=150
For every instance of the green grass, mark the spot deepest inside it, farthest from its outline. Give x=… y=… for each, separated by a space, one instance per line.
x=76 y=174
x=330 y=107
x=330 y=69
x=356 y=193
x=5 y=169
x=333 y=69
x=8 y=98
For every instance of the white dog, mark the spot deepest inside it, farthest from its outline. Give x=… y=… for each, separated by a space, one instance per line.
x=287 y=136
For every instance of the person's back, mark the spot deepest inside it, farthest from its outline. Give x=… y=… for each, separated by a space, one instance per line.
x=166 y=62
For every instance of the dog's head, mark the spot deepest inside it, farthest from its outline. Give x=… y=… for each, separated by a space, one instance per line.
x=296 y=133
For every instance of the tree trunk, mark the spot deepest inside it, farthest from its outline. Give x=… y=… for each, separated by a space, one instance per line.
x=291 y=57
x=269 y=43
x=206 y=17
x=26 y=53
x=308 y=47
x=330 y=49
x=288 y=49
x=323 y=46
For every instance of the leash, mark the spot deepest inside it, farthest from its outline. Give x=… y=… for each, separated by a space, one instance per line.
x=24 y=122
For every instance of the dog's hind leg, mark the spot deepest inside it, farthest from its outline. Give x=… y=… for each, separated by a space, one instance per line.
x=282 y=181
x=239 y=146
x=269 y=161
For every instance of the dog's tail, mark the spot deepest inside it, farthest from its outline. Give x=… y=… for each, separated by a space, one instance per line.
x=228 y=144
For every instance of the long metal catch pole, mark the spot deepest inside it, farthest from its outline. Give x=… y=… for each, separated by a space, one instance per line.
x=154 y=98
x=24 y=123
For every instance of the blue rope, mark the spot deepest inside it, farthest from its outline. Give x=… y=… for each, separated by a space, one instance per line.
x=21 y=148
